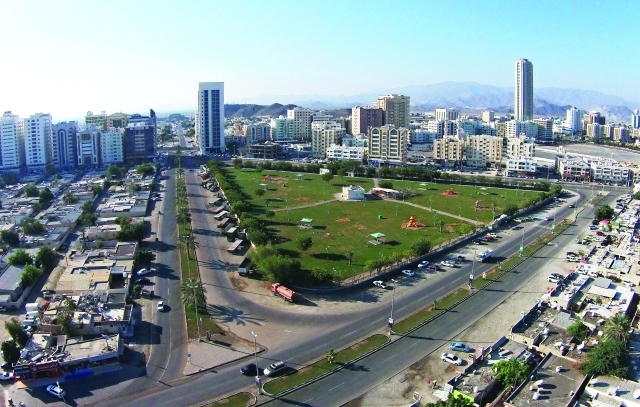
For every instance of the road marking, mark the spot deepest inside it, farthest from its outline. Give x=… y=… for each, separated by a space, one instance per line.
x=307 y=400
x=333 y=388
x=288 y=331
x=389 y=358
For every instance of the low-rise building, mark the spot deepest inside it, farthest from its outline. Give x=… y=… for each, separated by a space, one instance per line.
x=520 y=147
x=482 y=150
x=340 y=153
x=267 y=150
x=573 y=169
x=610 y=171
x=521 y=165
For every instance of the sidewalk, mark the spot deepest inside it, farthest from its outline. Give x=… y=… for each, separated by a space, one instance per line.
x=205 y=355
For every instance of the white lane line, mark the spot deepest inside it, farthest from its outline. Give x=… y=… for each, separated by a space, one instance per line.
x=333 y=388
x=307 y=400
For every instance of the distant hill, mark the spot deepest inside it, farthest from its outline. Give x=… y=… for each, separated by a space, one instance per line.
x=249 y=110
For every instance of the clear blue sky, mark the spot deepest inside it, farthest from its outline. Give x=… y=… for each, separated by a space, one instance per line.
x=67 y=57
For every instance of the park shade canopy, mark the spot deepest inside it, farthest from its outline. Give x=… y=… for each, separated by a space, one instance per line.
x=378 y=236
x=306 y=221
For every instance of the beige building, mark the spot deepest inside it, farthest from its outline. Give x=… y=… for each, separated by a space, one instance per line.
x=487 y=116
x=448 y=149
x=501 y=129
x=98 y=121
x=621 y=133
x=594 y=130
x=481 y=150
x=117 y=120
x=301 y=122
x=573 y=169
x=396 y=110
x=386 y=143
x=520 y=147
x=325 y=134
x=545 y=129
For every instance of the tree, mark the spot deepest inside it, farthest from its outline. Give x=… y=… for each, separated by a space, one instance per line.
x=420 y=247
x=65 y=320
x=511 y=372
x=260 y=192
x=327 y=177
x=10 y=237
x=457 y=400
x=386 y=184
x=30 y=274
x=269 y=214
x=303 y=243
x=609 y=357
x=579 y=330
x=603 y=212
x=31 y=226
x=135 y=188
x=342 y=172
x=617 y=328
x=193 y=293
x=331 y=355
x=183 y=216
x=96 y=189
x=137 y=289
x=20 y=258
x=16 y=331
x=145 y=169
x=510 y=209
x=10 y=351
x=31 y=191
x=69 y=199
x=45 y=196
x=132 y=231
x=277 y=268
x=258 y=236
x=113 y=172
x=143 y=257
x=636 y=196
x=46 y=258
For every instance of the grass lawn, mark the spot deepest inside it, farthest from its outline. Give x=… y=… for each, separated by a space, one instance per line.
x=463 y=200
x=341 y=227
x=299 y=191
x=237 y=400
x=322 y=366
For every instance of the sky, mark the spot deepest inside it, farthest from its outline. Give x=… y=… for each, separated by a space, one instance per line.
x=68 y=57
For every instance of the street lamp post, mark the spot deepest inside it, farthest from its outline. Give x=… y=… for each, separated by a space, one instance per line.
x=255 y=351
x=393 y=295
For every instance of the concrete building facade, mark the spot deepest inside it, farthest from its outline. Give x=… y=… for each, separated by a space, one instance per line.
x=210 y=123
x=545 y=130
x=64 y=145
x=450 y=114
x=301 y=122
x=520 y=147
x=11 y=142
x=88 y=147
x=448 y=149
x=98 y=121
x=139 y=143
x=257 y=133
x=481 y=150
x=487 y=116
x=111 y=146
x=362 y=118
x=341 y=153
x=396 y=110
x=117 y=120
x=388 y=144
x=523 y=106
x=282 y=128
x=323 y=135
x=38 y=134
x=573 y=122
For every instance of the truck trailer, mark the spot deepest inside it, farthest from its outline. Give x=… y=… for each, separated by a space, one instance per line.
x=484 y=255
x=284 y=292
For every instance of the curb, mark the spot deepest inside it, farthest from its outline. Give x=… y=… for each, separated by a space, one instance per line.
x=253 y=403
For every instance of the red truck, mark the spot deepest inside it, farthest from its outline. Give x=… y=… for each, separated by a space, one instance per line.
x=284 y=292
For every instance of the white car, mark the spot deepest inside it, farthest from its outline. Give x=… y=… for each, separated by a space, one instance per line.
x=142 y=272
x=447 y=263
x=380 y=284
x=408 y=273
x=423 y=264
x=160 y=306
x=449 y=358
x=6 y=375
x=493 y=235
x=56 y=391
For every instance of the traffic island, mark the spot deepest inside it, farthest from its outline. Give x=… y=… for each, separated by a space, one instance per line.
x=237 y=400
x=323 y=367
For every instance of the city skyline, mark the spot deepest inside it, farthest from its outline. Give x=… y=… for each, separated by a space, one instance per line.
x=92 y=63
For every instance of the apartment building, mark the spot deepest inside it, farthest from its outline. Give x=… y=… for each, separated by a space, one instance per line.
x=468 y=127
x=396 y=110
x=523 y=105
x=436 y=127
x=210 y=118
x=606 y=131
x=387 y=143
x=301 y=122
x=448 y=149
x=487 y=116
x=573 y=122
x=342 y=153
x=481 y=150
x=422 y=136
x=594 y=130
x=621 y=134
x=362 y=118
x=521 y=165
x=98 y=121
x=11 y=142
x=139 y=142
x=38 y=134
x=358 y=140
x=117 y=120
x=487 y=129
x=501 y=129
x=545 y=130
x=635 y=119
x=450 y=114
x=282 y=128
x=610 y=172
x=64 y=145
x=256 y=133
x=520 y=147
x=323 y=135
x=321 y=117
x=516 y=128
x=572 y=169
x=111 y=146
x=88 y=147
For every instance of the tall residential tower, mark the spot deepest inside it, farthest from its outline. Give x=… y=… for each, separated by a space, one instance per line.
x=523 y=107
x=210 y=117
x=396 y=110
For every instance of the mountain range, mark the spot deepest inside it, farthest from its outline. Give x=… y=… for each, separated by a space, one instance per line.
x=472 y=97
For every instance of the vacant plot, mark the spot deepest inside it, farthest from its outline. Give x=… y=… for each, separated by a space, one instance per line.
x=471 y=202
x=288 y=189
x=343 y=227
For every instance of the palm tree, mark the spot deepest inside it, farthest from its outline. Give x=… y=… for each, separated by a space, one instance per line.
x=183 y=216
x=193 y=292
x=180 y=172
x=331 y=355
x=188 y=243
x=617 y=328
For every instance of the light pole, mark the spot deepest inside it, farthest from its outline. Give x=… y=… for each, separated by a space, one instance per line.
x=255 y=351
x=522 y=243
x=393 y=295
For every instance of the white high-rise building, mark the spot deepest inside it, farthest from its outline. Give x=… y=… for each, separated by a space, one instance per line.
x=87 y=146
x=210 y=126
x=301 y=122
x=523 y=107
x=574 y=120
x=282 y=128
x=545 y=130
x=111 y=146
x=38 y=134
x=487 y=116
x=325 y=134
x=11 y=142
x=635 y=119
x=515 y=128
x=450 y=114
x=63 y=146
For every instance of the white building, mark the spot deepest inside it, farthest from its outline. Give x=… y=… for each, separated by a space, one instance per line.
x=358 y=140
x=111 y=146
x=353 y=193
x=516 y=128
x=436 y=126
x=386 y=143
x=342 y=153
x=422 y=136
x=63 y=146
x=325 y=134
x=11 y=142
x=282 y=128
x=448 y=149
x=521 y=165
x=38 y=134
x=610 y=171
x=572 y=169
x=520 y=147
x=573 y=121
x=481 y=150
x=523 y=105
x=301 y=122
x=87 y=147
x=450 y=114
x=257 y=133
x=487 y=116
x=545 y=130
x=210 y=118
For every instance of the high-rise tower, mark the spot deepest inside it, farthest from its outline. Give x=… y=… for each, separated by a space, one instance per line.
x=210 y=126
x=523 y=107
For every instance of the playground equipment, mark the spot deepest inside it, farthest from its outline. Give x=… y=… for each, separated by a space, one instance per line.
x=412 y=223
x=478 y=204
x=449 y=192
x=267 y=178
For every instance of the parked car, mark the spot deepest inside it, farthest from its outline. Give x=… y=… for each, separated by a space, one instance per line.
x=447 y=263
x=408 y=273
x=142 y=272
x=274 y=368
x=599 y=233
x=6 y=376
x=143 y=281
x=380 y=284
x=548 y=218
x=161 y=306
x=249 y=370
x=449 y=358
x=56 y=390
x=555 y=278
x=477 y=241
x=493 y=235
x=628 y=283
x=433 y=267
x=459 y=347
x=423 y=264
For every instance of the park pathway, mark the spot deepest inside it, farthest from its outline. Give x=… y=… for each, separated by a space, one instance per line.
x=305 y=206
x=475 y=222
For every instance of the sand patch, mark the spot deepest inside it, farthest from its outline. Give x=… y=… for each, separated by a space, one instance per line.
x=341 y=220
x=238 y=283
x=361 y=227
x=417 y=227
x=302 y=198
x=449 y=229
